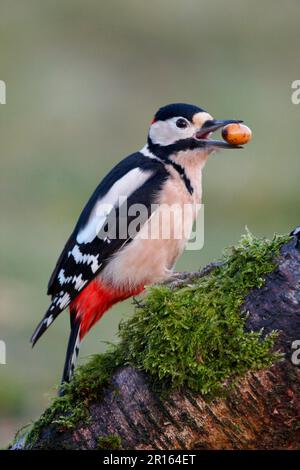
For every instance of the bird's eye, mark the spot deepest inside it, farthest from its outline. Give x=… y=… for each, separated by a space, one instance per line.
x=181 y=123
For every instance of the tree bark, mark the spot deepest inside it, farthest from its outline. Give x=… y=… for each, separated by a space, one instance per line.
x=261 y=412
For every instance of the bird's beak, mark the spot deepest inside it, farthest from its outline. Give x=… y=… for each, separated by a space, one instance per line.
x=202 y=135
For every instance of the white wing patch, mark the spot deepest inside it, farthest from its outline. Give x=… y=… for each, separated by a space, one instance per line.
x=64 y=301
x=61 y=300
x=91 y=260
x=77 y=280
x=122 y=188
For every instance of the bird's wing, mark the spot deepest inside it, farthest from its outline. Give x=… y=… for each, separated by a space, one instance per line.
x=135 y=180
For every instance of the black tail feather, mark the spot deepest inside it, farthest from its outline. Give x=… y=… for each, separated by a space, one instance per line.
x=44 y=324
x=72 y=350
x=41 y=328
x=58 y=304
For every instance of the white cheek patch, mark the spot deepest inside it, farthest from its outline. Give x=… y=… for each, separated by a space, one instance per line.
x=123 y=188
x=167 y=133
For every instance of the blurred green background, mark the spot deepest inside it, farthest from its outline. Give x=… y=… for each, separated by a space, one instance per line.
x=83 y=80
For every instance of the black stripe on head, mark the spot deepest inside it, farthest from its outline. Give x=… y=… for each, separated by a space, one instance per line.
x=177 y=109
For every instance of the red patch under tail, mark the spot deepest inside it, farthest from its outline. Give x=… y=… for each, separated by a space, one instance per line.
x=90 y=305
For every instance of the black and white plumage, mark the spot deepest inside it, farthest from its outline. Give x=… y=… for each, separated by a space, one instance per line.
x=86 y=253
x=168 y=169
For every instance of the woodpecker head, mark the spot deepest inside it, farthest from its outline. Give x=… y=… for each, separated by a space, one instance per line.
x=181 y=127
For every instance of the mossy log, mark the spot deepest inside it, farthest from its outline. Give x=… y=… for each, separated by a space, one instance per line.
x=261 y=410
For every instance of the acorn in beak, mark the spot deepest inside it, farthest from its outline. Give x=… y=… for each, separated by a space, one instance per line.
x=203 y=134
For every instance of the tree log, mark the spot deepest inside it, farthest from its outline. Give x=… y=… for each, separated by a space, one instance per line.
x=262 y=411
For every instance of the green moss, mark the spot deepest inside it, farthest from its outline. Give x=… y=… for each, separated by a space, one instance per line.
x=193 y=336
x=111 y=442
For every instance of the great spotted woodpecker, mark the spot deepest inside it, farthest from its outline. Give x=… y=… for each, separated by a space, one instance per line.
x=96 y=270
